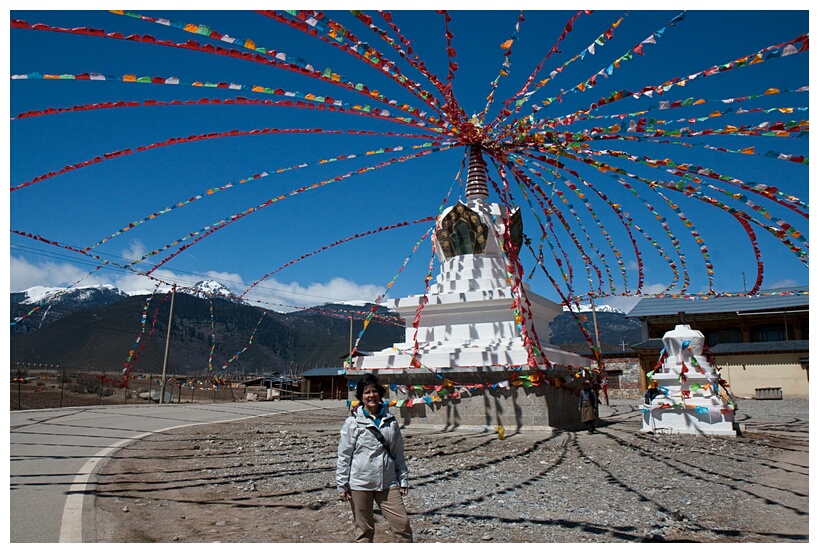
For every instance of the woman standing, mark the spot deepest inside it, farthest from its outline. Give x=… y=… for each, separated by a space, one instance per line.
x=587 y=405
x=371 y=465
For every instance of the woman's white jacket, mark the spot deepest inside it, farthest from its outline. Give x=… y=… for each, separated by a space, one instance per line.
x=363 y=463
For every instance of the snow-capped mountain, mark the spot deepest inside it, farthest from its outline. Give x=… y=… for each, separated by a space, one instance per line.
x=597 y=309
x=38 y=306
x=96 y=295
x=206 y=289
x=52 y=304
x=103 y=294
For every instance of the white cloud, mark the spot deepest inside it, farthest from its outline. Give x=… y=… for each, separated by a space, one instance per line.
x=132 y=282
x=135 y=250
x=626 y=303
x=25 y=275
x=270 y=293
x=226 y=278
x=649 y=289
x=283 y=296
x=784 y=283
x=623 y=303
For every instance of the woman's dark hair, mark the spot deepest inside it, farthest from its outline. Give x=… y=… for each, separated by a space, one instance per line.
x=368 y=380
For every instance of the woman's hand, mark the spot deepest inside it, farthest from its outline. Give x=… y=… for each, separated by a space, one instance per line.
x=404 y=491
x=346 y=496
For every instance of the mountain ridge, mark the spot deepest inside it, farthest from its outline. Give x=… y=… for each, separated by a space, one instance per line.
x=98 y=328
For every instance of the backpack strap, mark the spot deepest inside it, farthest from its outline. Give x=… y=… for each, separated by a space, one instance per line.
x=380 y=437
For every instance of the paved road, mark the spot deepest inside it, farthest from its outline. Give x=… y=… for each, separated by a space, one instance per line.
x=54 y=454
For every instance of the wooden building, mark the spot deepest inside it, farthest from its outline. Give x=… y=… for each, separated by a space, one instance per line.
x=329 y=380
x=758 y=342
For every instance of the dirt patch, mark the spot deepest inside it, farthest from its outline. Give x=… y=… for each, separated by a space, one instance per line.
x=272 y=480
x=236 y=482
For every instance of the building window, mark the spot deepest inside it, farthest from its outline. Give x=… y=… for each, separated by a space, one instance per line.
x=614 y=379
x=727 y=336
x=768 y=333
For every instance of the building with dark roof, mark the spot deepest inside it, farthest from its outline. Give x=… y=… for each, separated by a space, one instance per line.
x=327 y=380
x=758 y=342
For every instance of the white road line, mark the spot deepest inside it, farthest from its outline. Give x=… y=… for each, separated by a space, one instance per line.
x=71 y=526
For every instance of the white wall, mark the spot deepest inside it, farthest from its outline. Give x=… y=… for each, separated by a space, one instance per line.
x=745 y=373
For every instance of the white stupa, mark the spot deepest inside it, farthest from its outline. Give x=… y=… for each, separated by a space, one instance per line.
x=469 y=320
x=471 y=330
x=690 y=400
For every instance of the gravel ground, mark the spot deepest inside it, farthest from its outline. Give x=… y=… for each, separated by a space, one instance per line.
x=272 y=480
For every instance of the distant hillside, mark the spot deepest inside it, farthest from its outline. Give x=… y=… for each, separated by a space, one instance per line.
x=100 y=338
x=96 y=327
x=615 y=330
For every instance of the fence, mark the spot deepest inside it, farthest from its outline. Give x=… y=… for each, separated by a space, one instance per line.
x=279 y=393
x=40 y=387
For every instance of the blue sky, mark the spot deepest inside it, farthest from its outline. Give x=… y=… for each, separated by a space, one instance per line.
x=84 y=206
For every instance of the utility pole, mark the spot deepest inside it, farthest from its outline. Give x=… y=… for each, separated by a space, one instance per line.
x=599 y=355
x=62 y=388
x=167 y=345
x=351 y=342
x=19 y=384
x=596 y=330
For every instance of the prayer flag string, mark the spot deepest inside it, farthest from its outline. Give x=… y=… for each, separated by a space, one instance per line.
x=269 y=56
x=379 y=299
x=210 y=229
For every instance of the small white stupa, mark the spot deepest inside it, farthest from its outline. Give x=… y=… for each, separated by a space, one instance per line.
x=689 y=398
x=477 y=324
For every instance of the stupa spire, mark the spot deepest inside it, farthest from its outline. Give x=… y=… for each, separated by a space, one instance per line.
x=476 y=175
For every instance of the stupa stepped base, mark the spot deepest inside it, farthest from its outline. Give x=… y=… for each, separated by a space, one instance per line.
x=543 y=408
x=483 y=374
x=466 y=355
x=705 y=421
